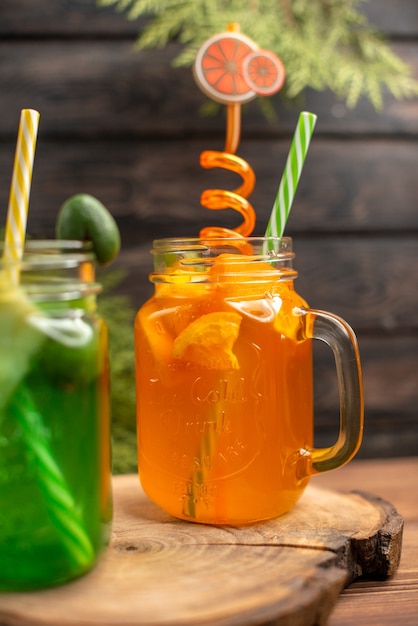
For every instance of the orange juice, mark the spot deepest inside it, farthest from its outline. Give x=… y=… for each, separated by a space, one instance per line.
x=224 y=390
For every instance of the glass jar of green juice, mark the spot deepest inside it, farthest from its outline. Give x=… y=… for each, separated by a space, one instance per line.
x=55 y=488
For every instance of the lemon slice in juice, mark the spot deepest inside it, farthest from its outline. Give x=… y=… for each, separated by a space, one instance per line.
x=208 y=341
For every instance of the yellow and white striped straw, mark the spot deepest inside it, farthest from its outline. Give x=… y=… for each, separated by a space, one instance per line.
x=20 y=188
x=58 y=499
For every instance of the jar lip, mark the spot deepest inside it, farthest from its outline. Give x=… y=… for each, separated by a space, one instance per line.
x=191 y=259
x=54 y=244
x=50 y=253
x=267 y=247
x=286 y=242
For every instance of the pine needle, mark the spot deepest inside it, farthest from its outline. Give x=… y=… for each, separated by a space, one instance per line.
x=324 y=44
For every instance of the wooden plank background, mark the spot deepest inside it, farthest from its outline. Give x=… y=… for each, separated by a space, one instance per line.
x=125 y=126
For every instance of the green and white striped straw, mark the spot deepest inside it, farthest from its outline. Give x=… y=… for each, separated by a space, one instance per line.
x=291 y=175
x=60 y=504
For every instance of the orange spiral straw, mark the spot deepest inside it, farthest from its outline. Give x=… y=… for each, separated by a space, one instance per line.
x=217 y=199
x=233 y=127
x=231 y=69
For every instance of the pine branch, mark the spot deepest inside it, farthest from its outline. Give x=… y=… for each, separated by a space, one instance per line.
x=324 y=44
x=119 y=315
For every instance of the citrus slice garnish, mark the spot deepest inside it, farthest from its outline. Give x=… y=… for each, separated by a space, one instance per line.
x=264 y=72
x=218 y=68
x=208 y=341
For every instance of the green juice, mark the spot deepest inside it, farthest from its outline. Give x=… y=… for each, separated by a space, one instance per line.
x=55 y=498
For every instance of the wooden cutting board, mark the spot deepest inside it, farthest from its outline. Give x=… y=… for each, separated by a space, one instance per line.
x=160 y=571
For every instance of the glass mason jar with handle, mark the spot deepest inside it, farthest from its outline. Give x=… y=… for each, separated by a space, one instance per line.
x=55 y=491
x=225 y=383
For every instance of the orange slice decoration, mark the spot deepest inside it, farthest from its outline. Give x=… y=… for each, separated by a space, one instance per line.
x=231 y=69
x=218 y=68
x=264 y=72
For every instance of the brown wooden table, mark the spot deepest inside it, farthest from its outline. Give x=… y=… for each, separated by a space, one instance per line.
x=162 y=571
x=392 y=602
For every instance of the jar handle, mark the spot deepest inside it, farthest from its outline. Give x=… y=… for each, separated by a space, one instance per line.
x=340 y=337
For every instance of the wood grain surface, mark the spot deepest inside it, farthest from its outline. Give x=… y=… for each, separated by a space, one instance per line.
x=162 y=571
x=393 y=601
